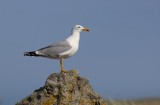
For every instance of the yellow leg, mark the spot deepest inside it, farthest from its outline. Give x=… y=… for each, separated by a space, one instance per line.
x=61 y=65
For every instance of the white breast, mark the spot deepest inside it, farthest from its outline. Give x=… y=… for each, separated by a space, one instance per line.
x=74 y=43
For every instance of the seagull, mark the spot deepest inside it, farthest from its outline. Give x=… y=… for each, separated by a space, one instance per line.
x=62 y=49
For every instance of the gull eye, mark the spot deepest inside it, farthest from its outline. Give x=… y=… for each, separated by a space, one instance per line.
x=79 y=27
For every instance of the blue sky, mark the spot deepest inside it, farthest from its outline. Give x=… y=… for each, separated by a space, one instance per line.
x=120 y=55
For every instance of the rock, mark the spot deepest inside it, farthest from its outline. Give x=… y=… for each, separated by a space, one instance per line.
x=64 y=89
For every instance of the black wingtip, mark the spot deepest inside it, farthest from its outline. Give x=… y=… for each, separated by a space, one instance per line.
x=26 y=54
x=30 y=53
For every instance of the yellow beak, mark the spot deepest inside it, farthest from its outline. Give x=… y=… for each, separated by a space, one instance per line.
x=85 y=29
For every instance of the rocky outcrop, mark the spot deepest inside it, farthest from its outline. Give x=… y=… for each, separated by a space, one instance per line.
x=64 y=89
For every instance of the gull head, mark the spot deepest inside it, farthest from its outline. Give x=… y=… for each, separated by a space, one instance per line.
x=79 y=28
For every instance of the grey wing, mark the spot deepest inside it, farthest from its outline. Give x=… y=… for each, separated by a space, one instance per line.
x=52 y=51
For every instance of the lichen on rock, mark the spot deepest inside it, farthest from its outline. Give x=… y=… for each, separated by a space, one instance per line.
x=64 y=89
